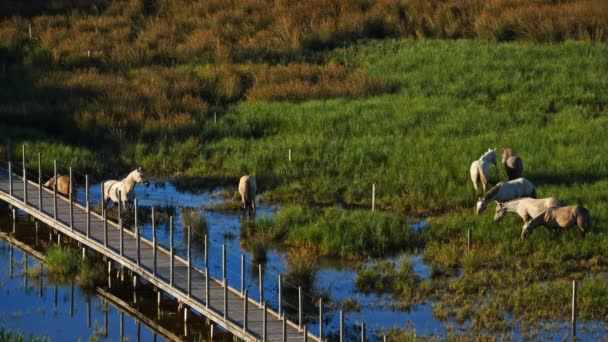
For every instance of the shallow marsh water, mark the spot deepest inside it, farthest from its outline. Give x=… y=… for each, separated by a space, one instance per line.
x=335 y=281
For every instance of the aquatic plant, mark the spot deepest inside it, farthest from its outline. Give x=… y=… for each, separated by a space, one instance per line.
x=62 y=260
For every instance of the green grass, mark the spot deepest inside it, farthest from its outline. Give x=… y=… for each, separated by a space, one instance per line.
x=7 y=335
x=62 y=261
x=335 y=232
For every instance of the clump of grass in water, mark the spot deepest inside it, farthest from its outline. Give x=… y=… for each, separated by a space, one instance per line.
x=196 y=220
x=385 y=277
x=18 y=336
x=90 y=274
x=62 y=261
x=302 y=266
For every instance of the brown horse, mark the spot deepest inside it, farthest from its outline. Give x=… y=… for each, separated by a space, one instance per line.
x=63 y=184
x=512 y=163
x=248 y=189
x=560 y=218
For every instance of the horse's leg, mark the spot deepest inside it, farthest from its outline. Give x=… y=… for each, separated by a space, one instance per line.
x=580 y=221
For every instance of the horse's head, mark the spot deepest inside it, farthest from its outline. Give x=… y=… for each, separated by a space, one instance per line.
x=506 y=153
x=481 y=205
x=139 y=177
x=490 y=156
x=501 y=210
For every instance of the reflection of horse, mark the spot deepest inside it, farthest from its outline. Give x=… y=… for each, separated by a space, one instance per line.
x=480 y=169
x=248 y=189
x=512 y=163
x=506 y=191
x=111 y=188
x=62 y=182
x=560 y=218
x=526 y=207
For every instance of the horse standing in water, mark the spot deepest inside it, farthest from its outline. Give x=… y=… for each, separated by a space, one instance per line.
x=248 y=189
x=513 y=164
x=560 y=218
x=527 y=208
x=112 y=188
x=480 y=169
x=506 y=191
x=62 y=182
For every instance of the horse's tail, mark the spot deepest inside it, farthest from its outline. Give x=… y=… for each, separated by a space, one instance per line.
x=474 y=172
x=584 y=220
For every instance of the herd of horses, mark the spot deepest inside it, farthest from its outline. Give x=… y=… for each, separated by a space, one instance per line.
x=518 y=195
x=122 y=190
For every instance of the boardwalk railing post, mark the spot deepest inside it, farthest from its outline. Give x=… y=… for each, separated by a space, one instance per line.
x=245 y=302
x=206 y=286
x=284 y=328
x=24 y=178
x=121 y=236
x=574 y=308
x=39 y=182
x=264 y=322
x=280 y=297
x=55 y=189
x=320 y=319
x=105 y=228
x=242 y=274
x=70 y=190
x=86 y=187
x=137 y=242
x=305 y=334
x=206 y=252
x=261 y=279
x=170 y=250
x=341 y=326
x=223 y=261
x=300 y=308
x=102 y=197
x=225 y=283
x=189 y=262
x=10 y=179
x=154 y=247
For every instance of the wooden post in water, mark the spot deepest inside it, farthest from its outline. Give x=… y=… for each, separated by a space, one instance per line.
x=24 y=178
x=261 y=279
x=362 y=332
x=341 y=326
x=574 y=290
x=71 y=197
x=189 y=262
x=153 y=244
x=30 y=30
x=88 y=204
x=170 y=250
x=469 y=240
x=122 y=324
x=39 y=182
x=137 y=237
x=242 y=275
x=245 y=302
x=290 y=155
x=373 y=197
x=320 y=319
x=300 y=308
x=280 y=297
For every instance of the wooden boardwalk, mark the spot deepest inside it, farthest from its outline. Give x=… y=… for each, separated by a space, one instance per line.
x=193 y=297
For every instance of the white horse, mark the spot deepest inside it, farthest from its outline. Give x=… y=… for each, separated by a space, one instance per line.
x=480 y=169
x=526 y=207
x=506 y=191
x=248 y=188
x=112 y=188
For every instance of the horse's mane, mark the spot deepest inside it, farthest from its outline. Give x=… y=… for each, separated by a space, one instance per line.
x=492 y=192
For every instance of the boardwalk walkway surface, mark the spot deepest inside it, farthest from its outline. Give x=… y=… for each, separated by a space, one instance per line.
x=194 y=296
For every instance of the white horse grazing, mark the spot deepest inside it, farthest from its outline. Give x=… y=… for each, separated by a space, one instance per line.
x=111 y=188
x=480 y=169
x=527 y=208
x=248 y=189
x=506 y=191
